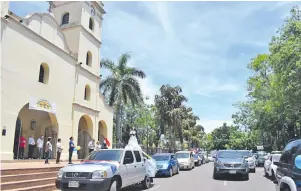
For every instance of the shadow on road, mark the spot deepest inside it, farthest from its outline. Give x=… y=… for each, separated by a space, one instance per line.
x=135 y=188
x=231 y=178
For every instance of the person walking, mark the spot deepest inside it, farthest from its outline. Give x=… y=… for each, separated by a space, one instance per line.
x=48 y=150
x=22 y=143
x=91 y=145
x=59 y=150
x=40 y=143
x=71 y=148
x=97 y=146
x=31 y=145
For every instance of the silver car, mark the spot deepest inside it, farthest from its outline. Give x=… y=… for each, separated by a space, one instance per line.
x=231 y=162
x=109 y=169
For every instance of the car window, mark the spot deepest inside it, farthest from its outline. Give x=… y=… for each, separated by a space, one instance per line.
x=129 y=155
x=288 y=152
x=172 y=157
x=137 y=156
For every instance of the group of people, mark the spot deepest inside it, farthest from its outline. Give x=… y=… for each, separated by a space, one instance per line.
x=32 y=144
x=96 y=147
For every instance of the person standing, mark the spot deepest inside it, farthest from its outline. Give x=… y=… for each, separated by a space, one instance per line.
x=59 y=151
x=31 y=145
x=71 y=148
x=40 y=143
x=22 y=143
x=91 y=145
x=104 y=146
x=48 y=150
x=97 y=146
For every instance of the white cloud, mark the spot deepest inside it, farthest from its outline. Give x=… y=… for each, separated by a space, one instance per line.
x=149 y=89
x=210 y=124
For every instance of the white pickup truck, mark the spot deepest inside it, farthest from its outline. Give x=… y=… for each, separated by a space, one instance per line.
x=105 y=170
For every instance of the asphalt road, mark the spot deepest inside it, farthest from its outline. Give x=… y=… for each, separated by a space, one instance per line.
x=200 y=179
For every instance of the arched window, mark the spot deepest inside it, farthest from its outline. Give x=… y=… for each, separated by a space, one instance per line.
x=89 y=59
x=91 y=24
x=65 y=19
x=87 y=92
x=44 y=73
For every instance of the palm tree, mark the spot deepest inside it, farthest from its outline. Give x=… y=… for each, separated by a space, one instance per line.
x=121 y=87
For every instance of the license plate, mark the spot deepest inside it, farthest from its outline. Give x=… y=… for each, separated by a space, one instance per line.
x=73 y=184
x=232 y=171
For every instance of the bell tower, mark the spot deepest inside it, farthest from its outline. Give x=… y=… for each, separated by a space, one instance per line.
x=81 y=23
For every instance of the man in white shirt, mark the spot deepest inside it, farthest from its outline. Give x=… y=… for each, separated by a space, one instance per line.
x=31 y=145
x=91 y=145
x=59 y=150
x=40 y=143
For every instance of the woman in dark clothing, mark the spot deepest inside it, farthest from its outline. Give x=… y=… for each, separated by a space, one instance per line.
x=71 y=148
x=104 y=146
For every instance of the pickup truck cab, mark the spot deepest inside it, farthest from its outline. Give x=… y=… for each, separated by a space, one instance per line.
x=105 y=170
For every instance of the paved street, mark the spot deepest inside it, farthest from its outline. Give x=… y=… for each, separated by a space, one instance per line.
x=201 y=179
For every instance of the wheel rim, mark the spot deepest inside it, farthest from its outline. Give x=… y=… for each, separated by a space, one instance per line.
x=113 y=186
x=147 y=182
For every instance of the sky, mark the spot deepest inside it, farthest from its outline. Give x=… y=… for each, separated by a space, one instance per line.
x=203 y=47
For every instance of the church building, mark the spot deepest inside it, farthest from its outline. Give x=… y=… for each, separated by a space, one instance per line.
x=50 y=75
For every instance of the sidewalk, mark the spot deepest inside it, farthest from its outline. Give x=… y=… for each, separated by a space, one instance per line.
x=32 y=164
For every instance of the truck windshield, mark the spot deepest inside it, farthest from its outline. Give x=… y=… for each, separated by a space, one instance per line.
x=108 y=155
x=182 y=155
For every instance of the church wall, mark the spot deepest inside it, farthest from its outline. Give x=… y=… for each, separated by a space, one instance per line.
x=21 y=55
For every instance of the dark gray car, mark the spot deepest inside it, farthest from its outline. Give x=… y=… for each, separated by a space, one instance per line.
x=231 y=162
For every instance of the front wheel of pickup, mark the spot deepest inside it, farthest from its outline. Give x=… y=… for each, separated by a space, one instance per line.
x=146 y=183
x=114 y=186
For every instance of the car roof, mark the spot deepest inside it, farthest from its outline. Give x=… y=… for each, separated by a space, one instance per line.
x=162 y=154
x=184 y=152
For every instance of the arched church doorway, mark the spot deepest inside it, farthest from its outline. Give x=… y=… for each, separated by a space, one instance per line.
x=85 y=131
x=34 y=123
x=102 y=131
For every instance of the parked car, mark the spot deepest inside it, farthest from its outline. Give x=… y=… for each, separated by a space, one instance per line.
x=202 y=158
x=276 y=152
x=122 y=168
x=251 y=160
x=261 y=157
x=167 y=164
x=269 y=166
x=210 y=158
x=205 y=155
x=288 y=174
x=197 y=160
x=185 y=159
x=229 y=162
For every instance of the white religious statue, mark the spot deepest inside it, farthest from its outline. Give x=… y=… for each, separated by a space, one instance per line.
x=133 y=142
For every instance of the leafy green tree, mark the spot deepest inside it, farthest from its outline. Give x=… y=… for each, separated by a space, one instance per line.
x=121 y=86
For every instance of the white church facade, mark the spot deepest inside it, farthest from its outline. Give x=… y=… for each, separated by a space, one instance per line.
x=50 y=76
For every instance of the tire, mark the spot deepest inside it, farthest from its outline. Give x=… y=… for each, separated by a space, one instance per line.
x=170 y=172
x=113 y=186
x=215 y=176
x=265 y=173
x=246 y=177
x=178 y=170
x=273 y=176
x=146 y=183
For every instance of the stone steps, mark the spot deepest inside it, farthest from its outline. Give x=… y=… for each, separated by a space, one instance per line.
x=29 y=179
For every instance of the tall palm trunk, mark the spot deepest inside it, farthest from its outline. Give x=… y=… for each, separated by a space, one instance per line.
x=118 y=125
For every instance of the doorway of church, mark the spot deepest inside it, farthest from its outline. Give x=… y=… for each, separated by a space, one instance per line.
x=33 y=123
x=85 y=130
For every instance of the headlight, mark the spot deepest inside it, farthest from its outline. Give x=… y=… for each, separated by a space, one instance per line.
x=219 y=163
x=60 y=174
x=99 y=174
x=165 y=166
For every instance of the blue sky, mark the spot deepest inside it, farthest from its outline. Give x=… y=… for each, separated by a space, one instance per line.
x=204 y=47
